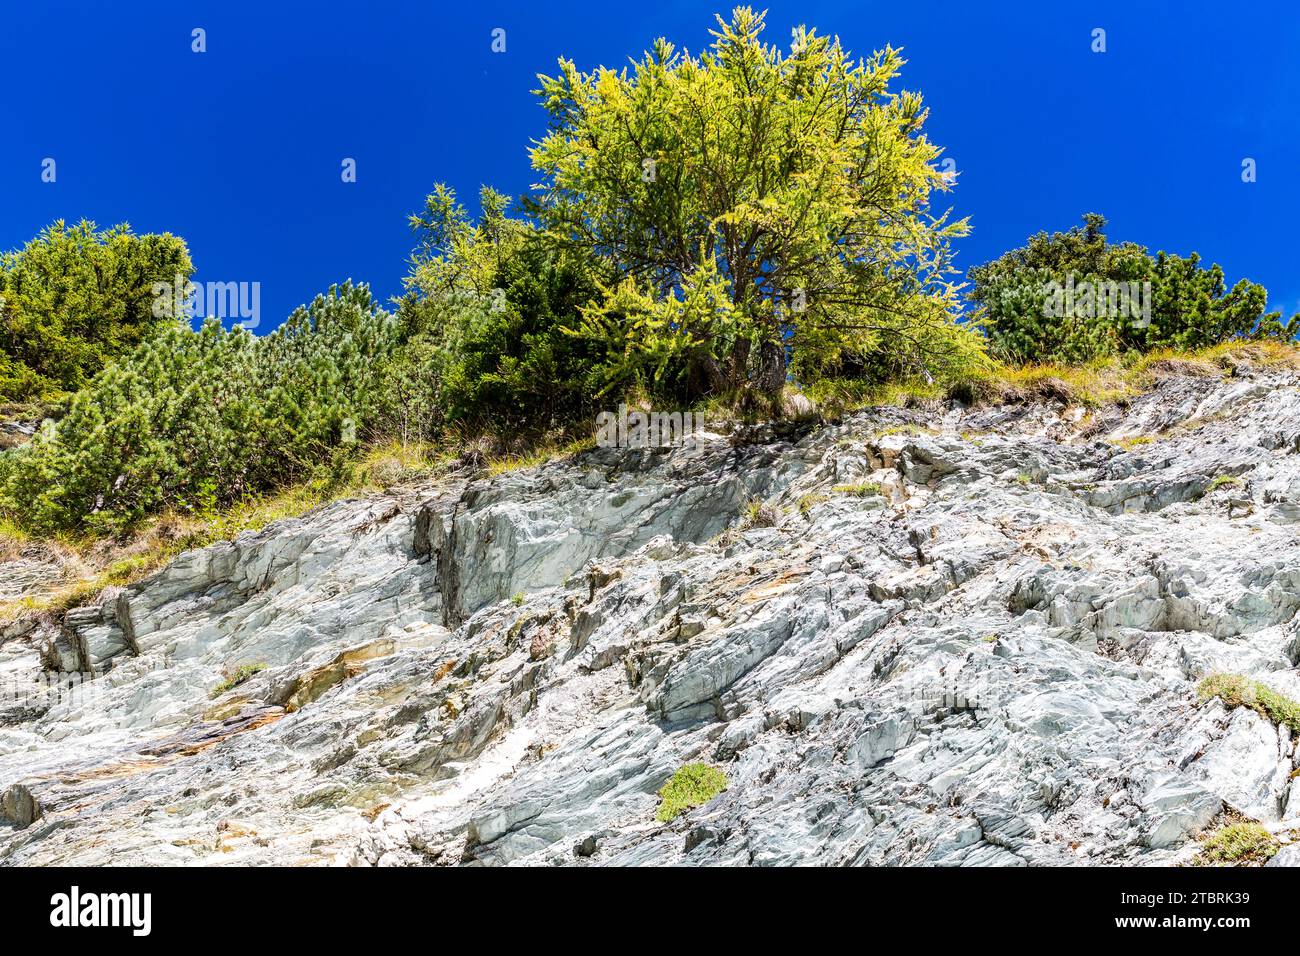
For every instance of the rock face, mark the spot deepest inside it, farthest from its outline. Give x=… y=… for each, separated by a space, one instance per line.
x=982 y=650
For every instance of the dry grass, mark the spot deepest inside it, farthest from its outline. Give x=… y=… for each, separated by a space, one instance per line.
x=1091 y=385
x=530 y=457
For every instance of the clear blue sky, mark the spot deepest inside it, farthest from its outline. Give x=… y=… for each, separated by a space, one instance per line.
x=238 y=149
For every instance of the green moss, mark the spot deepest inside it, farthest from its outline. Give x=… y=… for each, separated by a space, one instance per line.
x=1237 y=691
x=1237 y=844
x=861 y=489
x=693 y=785
x=236 y=677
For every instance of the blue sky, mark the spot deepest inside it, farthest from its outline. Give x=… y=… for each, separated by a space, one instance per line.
x=239 y=149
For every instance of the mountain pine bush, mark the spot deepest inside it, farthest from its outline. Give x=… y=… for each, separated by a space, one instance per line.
x=1190 y=307
x=194 y=421
x=73 y=298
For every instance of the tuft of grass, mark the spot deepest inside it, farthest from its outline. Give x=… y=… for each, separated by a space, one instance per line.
x=1237 y=844
x=1136 y=441
x=759 y=514
x=861 y=489
x=809 y=501
x=1224 y=481
x=693 y=785
x=13 y=539
x=905 y=429
x=517 y=598
x=1238 y=691
x=233 y=678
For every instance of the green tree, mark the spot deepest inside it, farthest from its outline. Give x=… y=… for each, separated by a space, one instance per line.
x=757 y=207
x=1179 y=304
x=484 y=325
x=73 y=298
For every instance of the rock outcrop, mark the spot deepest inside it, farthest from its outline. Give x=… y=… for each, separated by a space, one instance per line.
x=968 y=637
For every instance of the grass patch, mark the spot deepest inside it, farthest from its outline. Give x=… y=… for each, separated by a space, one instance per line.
x=861 y=489
x=13 y=540
x=695 y=784
x=1237 y=844
x=809 y=501
x=1137 y=441
x=1237 y=691
x=233 y=678
x=1224 y=481
x=1091 y=385
x=539 y=455
x=838 y=397
x=907 y=429
x=1105 y=381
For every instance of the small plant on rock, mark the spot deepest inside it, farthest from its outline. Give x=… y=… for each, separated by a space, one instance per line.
x=861 y=489
x=693 y=785
x=1237 y=691
x=809 y=501
x=1224 y=481
x=1136 y=441
x=759 y=514
x=517 y=598
x=239 y=675
x=1238 y=844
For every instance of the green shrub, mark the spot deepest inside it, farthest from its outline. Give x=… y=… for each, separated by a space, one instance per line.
x=693 y=785
x=73 y=299
x=484 y=326
x=1189 y=307
x=195 y=421
x=1237 y=691
x=1237 y=844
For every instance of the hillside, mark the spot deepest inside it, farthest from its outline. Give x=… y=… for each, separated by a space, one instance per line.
x=949 y=634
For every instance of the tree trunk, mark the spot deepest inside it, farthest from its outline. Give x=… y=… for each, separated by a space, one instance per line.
x=771 y=373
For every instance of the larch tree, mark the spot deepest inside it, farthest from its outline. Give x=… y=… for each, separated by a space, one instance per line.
x=759 y=208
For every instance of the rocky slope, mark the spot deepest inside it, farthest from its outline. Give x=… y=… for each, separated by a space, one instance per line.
x=983 y=651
